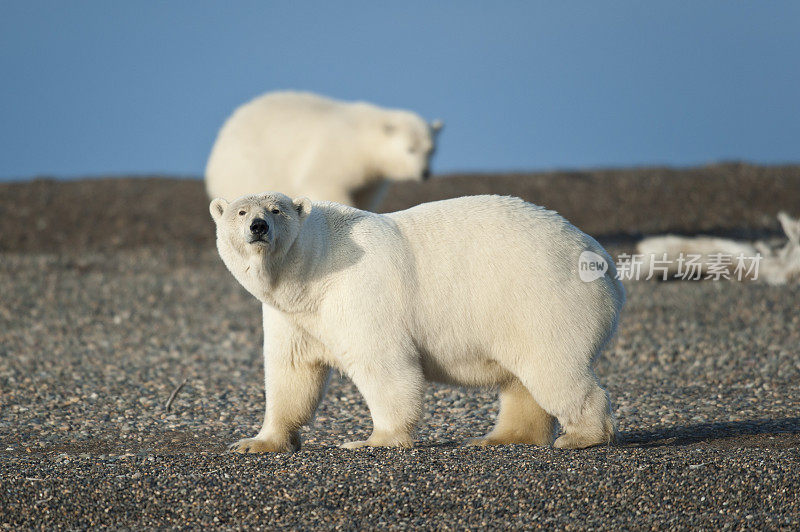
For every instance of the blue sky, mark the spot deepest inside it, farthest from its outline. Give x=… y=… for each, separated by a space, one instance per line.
x=94 y=88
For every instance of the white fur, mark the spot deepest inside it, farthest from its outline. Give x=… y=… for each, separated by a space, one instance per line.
x=474 y=291
x=305 y=144
x=777 y=266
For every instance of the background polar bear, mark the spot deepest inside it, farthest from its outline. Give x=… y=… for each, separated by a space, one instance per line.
x=302 y=143
x=474 y=291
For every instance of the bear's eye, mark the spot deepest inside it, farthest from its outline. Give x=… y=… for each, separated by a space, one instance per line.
x=276 y=211
x=242 y=213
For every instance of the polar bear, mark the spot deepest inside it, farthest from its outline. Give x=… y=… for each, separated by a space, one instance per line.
x=305 y=144
x=475 y=291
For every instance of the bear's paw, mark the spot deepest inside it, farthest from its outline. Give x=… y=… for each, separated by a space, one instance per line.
x=259 y=445
x=381 y=439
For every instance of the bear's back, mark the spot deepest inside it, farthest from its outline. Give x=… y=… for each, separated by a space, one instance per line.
x=489 y=222
x=283 y=113
x=497 y=241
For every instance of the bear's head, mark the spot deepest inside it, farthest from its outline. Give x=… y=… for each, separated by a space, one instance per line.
x=259 y=226
x=405 y=146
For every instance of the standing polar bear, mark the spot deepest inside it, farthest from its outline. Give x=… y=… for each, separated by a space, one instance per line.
x=475 y=291
x=305 y=144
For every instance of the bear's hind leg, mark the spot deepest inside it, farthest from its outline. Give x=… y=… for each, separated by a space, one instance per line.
x=520 y=420
x=593 y=425
x=564 y=384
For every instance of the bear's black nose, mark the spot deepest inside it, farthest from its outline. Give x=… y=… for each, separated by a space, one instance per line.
x=259 y=226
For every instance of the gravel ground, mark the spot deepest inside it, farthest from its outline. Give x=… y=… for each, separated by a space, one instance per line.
x=102 y=315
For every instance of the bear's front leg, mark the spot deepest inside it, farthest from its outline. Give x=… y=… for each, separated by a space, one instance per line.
x=393 y=388
x=294 y=381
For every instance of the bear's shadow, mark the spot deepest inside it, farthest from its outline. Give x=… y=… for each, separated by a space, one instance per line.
x=778 y=433
x=761 y=433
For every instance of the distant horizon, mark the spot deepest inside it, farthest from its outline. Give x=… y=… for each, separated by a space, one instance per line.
x=93 y=88
x=435 y=175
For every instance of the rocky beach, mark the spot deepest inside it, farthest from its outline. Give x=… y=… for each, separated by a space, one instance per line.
x=112 y=295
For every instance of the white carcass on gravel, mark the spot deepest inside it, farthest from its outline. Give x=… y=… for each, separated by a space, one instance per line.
x=673 y=256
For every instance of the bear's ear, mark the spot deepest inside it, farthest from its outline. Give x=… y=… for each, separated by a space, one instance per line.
x=389 y=128
x=436 y=126
x=302 y=206
x=217 y=207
